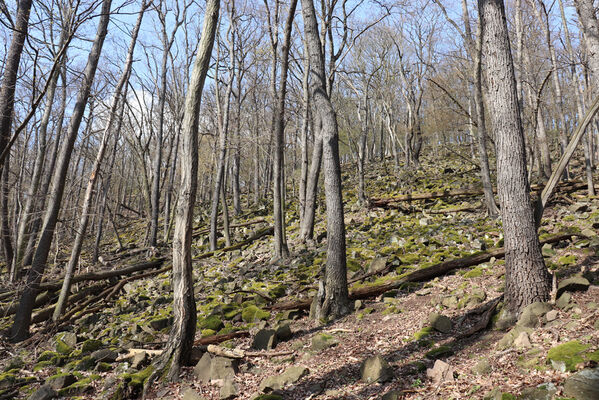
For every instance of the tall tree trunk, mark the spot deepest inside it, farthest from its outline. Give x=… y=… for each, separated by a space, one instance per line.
x=22 y=320
x=177 y=351
x=11 y=68
x=88 y=197
x=281 y=250
x=332 y=300
x=304 y=140
x=527 y=280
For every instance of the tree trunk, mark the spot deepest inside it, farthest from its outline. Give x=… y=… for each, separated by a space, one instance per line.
x=304 y=138
x=20 y=328
x=11 y=68
x=527 y=280
x=332 y=301
x=177 y=351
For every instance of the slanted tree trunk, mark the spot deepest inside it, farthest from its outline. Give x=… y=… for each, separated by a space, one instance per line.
x=22 y=320
x=88 y=197
x=11 y=67
x=527 y=280
x=332 y=300
x=177 y=351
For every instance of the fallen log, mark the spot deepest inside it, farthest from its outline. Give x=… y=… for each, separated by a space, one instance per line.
x=258 y=235
x=98 y=276
x=244 y=224
x=420 y=275
x=216 y=339
x=46 y=313
x=385 y=203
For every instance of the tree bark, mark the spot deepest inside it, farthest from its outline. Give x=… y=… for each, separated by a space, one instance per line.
x=527 y=280
x=332 y=301
x=177 y=352
x=22 y=320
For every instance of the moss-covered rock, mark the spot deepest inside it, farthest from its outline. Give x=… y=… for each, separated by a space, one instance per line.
x=474 y=273
x=42 y=365
x=63 y=348
x=253 y=313
x=323 y=341
x=212 y=322
x=91 y=345
x=439 y=352
x=423 y=333
x=567 y=355
x=7 y=379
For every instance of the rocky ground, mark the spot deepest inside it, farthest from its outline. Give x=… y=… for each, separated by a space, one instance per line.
x=409 y=343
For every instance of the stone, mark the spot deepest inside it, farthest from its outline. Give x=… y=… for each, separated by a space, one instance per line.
x=104 y=355
x=531 y=314
x=547 y=250
x=522 y=341
x=439 y=352
x=15 y=363
x=563 y=301
x=159 y=324
x=290 y=376
x=212 y=322
x=60 y=381
x=440 y=373
x=91 y=345
x=140 y=360
x=544 y=391
x=229 y=390
x=45 y=392
x=358 y=305
x=440 y=322
x=253 y=314
x=575 y=283
x=85 y=364
x=392 y=395
x=450 y=301
x=190 y=394
x=265 y=339
x=504 y=320
x=375 y=369
x=583 y=385
x=482 y=367
x=551 y=315
x=284 y=332
x=378 y=264
x=215 y=368
x=508 y=339
x=323 y=341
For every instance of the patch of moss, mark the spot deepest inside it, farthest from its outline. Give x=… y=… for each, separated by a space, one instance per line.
x=278 y=291
x=63 y=348
x=474 y=273
x=423 y=333
x=91 y=345
x=212 y=322
x=439 y=352
x=41 y=365
x=253 y=313
x=570 y=353
x=567 y=260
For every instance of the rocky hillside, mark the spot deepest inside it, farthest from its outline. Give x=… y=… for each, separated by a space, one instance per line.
x=408 y=338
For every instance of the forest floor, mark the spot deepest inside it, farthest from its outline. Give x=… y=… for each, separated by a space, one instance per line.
x=411 y=327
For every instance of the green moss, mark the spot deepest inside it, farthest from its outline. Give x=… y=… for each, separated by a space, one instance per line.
x=439 y=352
x=353 y=265
x=278 y=291
x=91 y=345
x=253 y=313
x=85 y=364
x=212 y=322
x=7 y=379
x=47 y=355
x=208 y=332
x=567 y=260
x=410 y=259
x=474 y=273
x=422 y=333
x=570 y=353
x=41 y=365
x=136 y=380
x=63 y=348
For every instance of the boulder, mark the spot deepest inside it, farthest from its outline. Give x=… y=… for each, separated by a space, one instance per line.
x=392 y=395
x=378 y=264
x=60 y=381
x=566 y=356
x=440 y=322
x=45 y=392
x=583 y=385
x=91 y=345
x=104 y=355
x=544 y=391
x=375 y=369
x=482 y=367
x=575 y=283
x=265 y=339
x=284 y=332
x=140 y=360
x=190 y=394
x=551 y=315
x=290 y=376
x=563 y=301
x=229 y=390
x=440 y=373
x=532 y=313
x=215 y=368
x=522 y=341
x=323 y=341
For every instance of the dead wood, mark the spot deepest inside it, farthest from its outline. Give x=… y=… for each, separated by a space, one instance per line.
x=241 y=225
x=216 y=339
x=484 y=321
x=420 y=275
x=258 y=235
